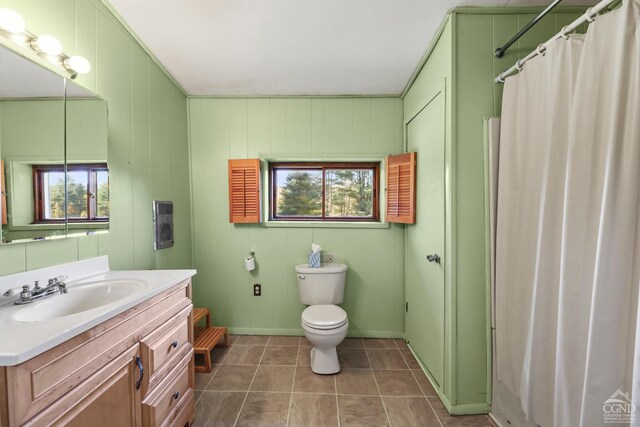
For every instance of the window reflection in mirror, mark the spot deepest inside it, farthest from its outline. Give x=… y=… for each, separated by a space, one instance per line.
x=87 y=193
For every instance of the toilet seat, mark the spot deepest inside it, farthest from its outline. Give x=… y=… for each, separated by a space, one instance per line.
x=324 y=317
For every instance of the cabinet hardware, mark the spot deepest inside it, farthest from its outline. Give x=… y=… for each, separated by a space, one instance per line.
x=141 y=368
x=174 y=344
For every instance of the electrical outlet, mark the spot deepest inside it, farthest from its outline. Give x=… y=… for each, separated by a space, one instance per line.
x=257 y=290
x=329 y=258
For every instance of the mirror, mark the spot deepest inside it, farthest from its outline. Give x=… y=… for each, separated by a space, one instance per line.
x=39 y=120
x=86 y=158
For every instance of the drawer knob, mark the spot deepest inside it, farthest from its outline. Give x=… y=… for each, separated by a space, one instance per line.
x=174 y=344
x=176 y=395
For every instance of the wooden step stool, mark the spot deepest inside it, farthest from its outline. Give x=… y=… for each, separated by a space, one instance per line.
x=206 y=337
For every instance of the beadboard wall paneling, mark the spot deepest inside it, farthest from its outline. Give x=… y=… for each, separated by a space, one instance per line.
x=224 y=128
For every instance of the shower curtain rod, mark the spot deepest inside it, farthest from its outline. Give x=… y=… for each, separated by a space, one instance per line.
x=499 y=52
x=589 y=16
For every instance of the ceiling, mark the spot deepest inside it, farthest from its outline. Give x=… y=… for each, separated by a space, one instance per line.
x=292 y=47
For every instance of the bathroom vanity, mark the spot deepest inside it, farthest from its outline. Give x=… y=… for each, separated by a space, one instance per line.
x=116 y=349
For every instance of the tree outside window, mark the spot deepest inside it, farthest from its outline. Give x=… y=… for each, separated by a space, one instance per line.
x=87 y=193
x=324 y=191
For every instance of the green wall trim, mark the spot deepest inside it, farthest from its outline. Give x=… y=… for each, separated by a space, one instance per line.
x=514 y=10
x=191 y=210
x=324 y=224
x=470 y=409
x=144 y=47
x=292 y=96
x=323 y=157
x=463 y=409
x=300 y=332
x=453 y=204
x=487 y=234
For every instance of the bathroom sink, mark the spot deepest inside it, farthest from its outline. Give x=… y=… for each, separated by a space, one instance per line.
x=80 y=298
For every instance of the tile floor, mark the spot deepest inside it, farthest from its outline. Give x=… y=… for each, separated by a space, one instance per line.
x=266 y=381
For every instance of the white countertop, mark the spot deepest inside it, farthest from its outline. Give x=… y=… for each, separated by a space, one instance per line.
x=21 y=340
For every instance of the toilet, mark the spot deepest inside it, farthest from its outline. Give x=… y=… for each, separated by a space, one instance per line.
x=324 y=323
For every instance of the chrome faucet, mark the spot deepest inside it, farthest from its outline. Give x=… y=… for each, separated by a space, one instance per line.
x=55 y=286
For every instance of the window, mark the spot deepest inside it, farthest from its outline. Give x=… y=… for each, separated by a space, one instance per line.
x=87 y=193
x=324 y=191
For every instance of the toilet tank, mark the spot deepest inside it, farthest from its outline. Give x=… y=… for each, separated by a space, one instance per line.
x=324 y=285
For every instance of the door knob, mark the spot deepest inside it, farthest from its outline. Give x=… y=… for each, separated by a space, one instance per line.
x=434 y=258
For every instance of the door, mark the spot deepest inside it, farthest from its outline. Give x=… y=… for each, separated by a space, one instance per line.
x=424 y=319
x=115 y=401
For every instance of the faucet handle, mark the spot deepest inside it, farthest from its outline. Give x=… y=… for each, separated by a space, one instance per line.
x=25 y=295
x=55 y=280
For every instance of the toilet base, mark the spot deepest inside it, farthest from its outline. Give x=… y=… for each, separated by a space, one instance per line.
x=325 y=361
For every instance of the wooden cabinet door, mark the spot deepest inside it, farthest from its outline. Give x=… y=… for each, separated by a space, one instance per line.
x=111 y=398
x=425 y=293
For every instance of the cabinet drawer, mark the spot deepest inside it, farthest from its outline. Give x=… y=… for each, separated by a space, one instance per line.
x=165 y=399
x=161 y=349
x=184 y=413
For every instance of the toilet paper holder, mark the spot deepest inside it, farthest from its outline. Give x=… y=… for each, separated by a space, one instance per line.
x=250 y=262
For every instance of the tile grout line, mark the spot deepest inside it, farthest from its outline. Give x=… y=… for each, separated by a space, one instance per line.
x=215 y=373
x=423 y=392
x=251 y=383
x=353 y=369
x=434 y=411
x=335 y=385
x=378 y=387
x=293 y=383
x=311 y=392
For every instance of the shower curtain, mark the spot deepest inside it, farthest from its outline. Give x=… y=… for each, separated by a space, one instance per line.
x=567 y=255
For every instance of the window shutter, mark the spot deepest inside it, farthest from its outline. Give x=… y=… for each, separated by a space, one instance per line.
x=3 y=194
x=401 y=188
x=244 y=190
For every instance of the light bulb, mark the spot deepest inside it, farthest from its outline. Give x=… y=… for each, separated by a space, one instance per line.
x=11 y=21
x=47 y=44
x=77 y=64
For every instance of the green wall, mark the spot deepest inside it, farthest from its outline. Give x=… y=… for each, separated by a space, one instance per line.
x=147 y=149
x=224 y=128
x=478 y=32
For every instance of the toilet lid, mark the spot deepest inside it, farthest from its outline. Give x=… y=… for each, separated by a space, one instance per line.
x=324 y=316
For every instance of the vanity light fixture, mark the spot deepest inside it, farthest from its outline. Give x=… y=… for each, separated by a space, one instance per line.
x=46 y=44
x=13 y=27
x=77 y=64
x=11 y=21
